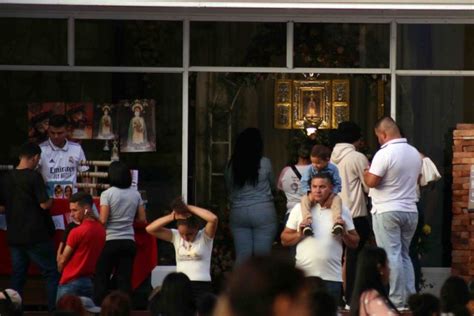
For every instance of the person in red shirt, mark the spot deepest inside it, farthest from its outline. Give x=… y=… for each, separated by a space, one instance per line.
x=83 y=248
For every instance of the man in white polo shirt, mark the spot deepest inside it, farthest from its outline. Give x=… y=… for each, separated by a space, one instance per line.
x=59 y=157
x=392 y=180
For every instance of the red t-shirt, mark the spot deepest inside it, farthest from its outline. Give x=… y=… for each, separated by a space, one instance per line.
x=87 y=241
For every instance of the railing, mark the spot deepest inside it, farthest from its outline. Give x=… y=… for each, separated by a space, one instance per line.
x=94 y=175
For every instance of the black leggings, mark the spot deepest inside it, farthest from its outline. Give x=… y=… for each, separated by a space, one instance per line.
x=117 y=259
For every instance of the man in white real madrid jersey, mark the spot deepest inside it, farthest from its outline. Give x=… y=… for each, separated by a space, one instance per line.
x=60 y=158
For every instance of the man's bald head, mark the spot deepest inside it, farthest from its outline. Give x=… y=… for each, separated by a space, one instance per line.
x=386 y=129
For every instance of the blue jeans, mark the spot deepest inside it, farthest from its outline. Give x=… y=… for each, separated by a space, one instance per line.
x=44 y=256
x=253 y=228
x=393 y=232
x=80 y=287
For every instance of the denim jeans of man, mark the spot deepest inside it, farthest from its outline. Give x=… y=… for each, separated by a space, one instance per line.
x=44 y=256
x=80 y=287
x=334 y=288
x=253 y=228
x=393 y=232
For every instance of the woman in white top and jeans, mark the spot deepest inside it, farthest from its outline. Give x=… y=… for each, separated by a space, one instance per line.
x=120 y=206
x=193 y=246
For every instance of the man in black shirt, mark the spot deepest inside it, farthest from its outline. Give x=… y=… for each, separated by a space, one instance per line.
x=29 y=225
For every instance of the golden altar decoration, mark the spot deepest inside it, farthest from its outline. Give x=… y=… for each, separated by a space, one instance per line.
x=297 y=101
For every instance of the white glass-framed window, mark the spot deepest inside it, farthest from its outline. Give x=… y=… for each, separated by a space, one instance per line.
x=63 y=56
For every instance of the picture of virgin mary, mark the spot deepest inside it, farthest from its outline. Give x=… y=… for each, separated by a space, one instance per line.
x=137 y=128
x=106 y=130
x=137 y=135
x=312 y=106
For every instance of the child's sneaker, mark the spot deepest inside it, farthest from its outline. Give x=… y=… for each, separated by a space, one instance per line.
x=308 y=231
x=337 y=229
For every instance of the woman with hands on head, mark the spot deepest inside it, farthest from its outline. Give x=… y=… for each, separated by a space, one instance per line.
x=192 y=245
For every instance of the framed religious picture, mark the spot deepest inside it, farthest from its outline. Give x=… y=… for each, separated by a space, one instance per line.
x=311 y=102
x=38 y=118
x=137 y=126
x=315 y=103
x=105 y=121
x=81 y=116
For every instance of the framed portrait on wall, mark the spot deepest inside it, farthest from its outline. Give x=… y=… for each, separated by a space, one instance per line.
x=311 y=101
x=137 y=126
x=38 y=119
x=105 y=121
x=321 y=103
x=80 y=115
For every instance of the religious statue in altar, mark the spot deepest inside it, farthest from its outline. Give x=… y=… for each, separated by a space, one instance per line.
x=311 y=107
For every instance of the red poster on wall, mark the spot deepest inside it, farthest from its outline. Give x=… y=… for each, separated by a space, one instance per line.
x=38 y=119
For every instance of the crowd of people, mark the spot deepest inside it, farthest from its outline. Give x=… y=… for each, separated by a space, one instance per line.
x=95 y=247
x=329 y=261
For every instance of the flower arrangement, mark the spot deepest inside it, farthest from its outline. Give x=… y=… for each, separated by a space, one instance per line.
x=421 y=248
x=422 y=242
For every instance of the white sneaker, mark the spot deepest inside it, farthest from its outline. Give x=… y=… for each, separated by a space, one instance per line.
x=347 y=308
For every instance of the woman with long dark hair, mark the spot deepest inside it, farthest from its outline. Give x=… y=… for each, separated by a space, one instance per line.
x=120 y=206
x=250 y=181
x=370 y=296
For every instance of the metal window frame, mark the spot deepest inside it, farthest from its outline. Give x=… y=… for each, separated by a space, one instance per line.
x=186 y=69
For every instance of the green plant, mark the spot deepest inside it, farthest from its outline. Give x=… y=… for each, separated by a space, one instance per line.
x=422 y=244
